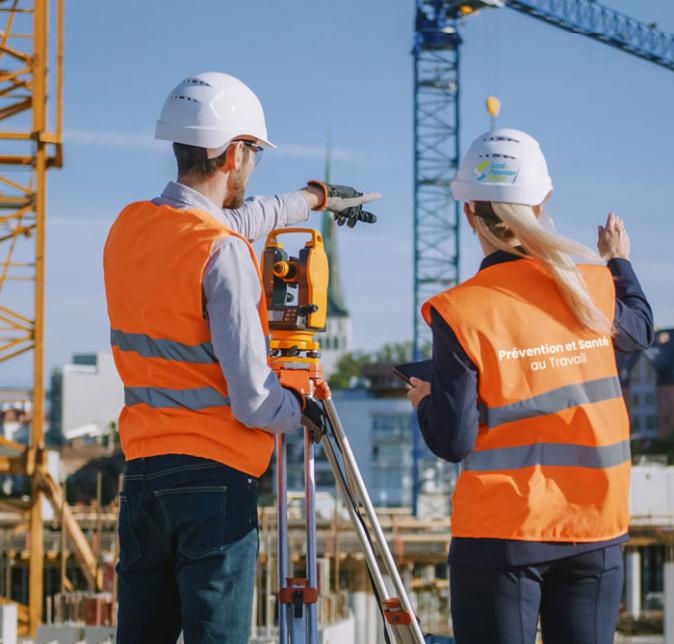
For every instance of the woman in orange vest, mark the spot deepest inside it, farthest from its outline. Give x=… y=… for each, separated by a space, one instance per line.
x=525 y=394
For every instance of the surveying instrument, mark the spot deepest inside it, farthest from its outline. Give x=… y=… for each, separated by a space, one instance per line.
x=296 y=293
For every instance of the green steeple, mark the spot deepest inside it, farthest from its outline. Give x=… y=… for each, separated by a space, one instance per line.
x=336 y=303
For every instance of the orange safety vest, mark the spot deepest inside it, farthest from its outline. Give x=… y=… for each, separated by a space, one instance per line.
x=551 y=460
x=175 y=393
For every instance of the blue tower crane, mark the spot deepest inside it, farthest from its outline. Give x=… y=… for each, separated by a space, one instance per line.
x=437 y=45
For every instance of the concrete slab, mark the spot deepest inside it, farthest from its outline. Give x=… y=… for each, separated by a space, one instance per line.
x=99 y=635
x=58 y=634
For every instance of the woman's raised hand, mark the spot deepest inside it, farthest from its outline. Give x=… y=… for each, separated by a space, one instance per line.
x=613 y=242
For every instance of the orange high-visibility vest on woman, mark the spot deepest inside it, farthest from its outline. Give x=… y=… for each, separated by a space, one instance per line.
x=175 y=393
x=551 y=461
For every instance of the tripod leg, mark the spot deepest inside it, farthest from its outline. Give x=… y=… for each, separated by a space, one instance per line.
x=370 y=555
x=309 y=499
x=282 y=532
x=354 y=475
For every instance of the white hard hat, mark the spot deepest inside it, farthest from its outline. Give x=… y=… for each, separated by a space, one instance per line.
x=209 y=111
x=503 y=165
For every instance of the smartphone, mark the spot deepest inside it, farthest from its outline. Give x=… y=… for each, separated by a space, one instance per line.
x=421 y=370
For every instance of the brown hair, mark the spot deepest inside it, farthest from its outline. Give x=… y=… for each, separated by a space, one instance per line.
x=194 y=160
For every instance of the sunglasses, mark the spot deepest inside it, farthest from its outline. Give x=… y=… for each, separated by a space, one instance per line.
x=257 y=149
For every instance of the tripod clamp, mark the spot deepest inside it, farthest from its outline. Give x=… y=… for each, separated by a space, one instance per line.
x=298 y=593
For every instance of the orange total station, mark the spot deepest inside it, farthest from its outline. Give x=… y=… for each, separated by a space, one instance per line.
x=296 y=295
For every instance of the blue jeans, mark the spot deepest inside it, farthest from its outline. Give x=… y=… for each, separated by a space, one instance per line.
x=188 y=549
x=577 y=598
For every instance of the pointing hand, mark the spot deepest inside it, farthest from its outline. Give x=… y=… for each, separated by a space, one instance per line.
x=346 y=203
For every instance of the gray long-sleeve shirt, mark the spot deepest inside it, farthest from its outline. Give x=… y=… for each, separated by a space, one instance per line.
x=232 y=291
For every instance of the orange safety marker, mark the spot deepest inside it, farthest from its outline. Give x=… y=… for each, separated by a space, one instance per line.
x=298 y=587
x=395 y=614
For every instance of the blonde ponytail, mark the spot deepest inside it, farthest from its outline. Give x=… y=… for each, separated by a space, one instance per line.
x=504 y=224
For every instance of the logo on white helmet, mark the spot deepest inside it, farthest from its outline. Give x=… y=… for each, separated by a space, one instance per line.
x=499 y=170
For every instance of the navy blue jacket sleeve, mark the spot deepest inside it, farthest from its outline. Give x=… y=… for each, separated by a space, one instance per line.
x=634 y=329
x=449 y=417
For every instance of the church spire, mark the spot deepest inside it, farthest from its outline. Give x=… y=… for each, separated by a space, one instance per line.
x=336 y=302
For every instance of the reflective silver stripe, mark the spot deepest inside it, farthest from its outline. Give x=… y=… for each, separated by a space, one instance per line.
x=555 y=401
x=193 y=399
x=149 y=347
x=549 y=454
x=298 y=366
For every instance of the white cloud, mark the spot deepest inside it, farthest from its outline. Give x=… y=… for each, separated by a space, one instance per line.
x=107 y=139
x=144 y=141
x=317 y=152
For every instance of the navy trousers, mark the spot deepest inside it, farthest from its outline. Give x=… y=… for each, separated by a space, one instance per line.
x=577 y=599
x=188 y=550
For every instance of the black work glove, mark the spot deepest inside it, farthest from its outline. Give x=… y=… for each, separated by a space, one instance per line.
x=346 y=203
x=314 y=419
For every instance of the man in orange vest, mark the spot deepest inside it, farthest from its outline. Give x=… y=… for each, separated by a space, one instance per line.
x=188 y=331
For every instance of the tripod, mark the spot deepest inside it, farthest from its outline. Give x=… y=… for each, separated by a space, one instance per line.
x=296 y=300
x=298 y=618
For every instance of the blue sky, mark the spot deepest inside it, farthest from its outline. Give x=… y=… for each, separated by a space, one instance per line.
x=603 y=119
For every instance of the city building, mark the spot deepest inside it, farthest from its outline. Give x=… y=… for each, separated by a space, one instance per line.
x=643 y=405
x=15 y=413
x=379 y=431
x=15 y=424
x=378 y=423
x=86 y=398
x=336 y=340
x=647 y=380
x=664 y=368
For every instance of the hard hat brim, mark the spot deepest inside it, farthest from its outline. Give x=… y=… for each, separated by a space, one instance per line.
x=267 y=144
x=200 y=137
x=528 y=195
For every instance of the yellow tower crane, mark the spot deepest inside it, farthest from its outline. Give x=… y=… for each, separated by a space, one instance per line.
x=28 y=149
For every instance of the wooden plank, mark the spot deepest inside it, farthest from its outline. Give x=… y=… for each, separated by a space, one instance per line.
x=36 y=564
x=80 y=546
x=10 y=465
x=14 y=505
x=10 y=448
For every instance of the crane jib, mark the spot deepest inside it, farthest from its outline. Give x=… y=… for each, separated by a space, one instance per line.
x=602 y=23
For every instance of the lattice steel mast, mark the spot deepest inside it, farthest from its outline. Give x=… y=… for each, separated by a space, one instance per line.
x=436 y=53
x=30 y=149
x=436 y=155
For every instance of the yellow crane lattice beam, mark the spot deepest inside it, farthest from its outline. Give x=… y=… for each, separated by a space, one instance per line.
x=27 y=150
